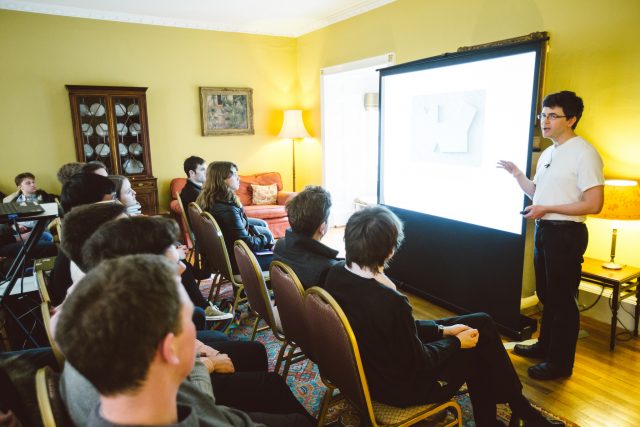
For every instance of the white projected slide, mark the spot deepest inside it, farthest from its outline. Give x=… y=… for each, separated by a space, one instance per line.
x=444 y=129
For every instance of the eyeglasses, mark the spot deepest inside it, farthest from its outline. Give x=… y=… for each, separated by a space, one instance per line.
x=552 y=116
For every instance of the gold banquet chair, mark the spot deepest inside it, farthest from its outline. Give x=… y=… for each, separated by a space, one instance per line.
x=52 y=410
x=338 y=358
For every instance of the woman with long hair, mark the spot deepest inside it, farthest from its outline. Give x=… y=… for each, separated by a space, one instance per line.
x=125 y=194
x=219 y=199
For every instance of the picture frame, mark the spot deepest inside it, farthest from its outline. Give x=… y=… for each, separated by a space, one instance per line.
x=226 y=111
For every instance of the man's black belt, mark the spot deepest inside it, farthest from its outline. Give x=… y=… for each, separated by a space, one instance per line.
x=546 y=222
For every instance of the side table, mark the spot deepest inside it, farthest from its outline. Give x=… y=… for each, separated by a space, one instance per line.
x=624 y=283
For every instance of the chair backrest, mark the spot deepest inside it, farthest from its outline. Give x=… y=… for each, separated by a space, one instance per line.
x=52 y=410
x=211 y=243
x=289 y=296
x=336 y=349
x=45 y=311
x=190 y=240
x=254 y=284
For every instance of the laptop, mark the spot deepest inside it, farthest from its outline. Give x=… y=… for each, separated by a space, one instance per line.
x=19 y=209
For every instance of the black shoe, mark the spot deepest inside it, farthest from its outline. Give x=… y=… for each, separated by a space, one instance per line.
x=547 y=371
x=534 y=351
x=534 y=419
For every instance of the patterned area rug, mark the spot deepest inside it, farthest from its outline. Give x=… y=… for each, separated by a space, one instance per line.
x=305 y=383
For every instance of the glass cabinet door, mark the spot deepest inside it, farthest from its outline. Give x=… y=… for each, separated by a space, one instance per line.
x=94 y=130
x=129 y=135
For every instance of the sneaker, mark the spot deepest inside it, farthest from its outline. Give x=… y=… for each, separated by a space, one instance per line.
x=214 y=313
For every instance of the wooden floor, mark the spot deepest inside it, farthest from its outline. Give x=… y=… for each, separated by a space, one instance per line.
x=604 y=389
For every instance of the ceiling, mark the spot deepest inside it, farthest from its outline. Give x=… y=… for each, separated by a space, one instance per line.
x=289 y=18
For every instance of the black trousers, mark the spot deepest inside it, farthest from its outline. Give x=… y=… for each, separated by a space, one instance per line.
x=557 y=257
x=486 y=368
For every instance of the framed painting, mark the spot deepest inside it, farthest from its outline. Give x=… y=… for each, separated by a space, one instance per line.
x=226 y=111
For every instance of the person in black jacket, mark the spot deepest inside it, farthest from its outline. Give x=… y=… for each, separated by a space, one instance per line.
x=301 y=248
x=219 y=199
x=27 y=190
x=411 y=362
x=196 y=169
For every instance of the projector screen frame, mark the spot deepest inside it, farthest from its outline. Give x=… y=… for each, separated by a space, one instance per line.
x=409 y=264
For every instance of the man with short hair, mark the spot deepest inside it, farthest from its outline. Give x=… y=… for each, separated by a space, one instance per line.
x=27 y=190
x=196 y=169
x=86 y=188
x=568 y=186
x=96 y=167
x=138 y=370
x=67 y=170
x=301 y=248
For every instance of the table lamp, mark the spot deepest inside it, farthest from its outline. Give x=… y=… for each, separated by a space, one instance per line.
x=621 y=202
x=293 y=127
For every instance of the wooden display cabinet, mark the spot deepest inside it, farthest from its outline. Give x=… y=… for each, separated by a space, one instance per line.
x=110 y=124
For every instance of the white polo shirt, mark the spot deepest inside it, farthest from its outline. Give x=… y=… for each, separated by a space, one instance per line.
x=564 y=172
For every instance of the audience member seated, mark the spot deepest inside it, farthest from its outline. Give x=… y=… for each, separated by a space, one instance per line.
x=139 y=370
x=27 y=190
x=301 y=248
x=125 y=194
x=10 y=244
x=196 y=169
x=218 y=198
x=96 y=167
x=142 y=235
x=80 y=189
x=409 y=362
x=67 y=170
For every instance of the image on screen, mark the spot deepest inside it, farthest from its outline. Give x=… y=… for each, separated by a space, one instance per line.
x=444 y=128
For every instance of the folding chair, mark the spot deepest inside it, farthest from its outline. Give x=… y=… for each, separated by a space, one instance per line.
x=338 y=358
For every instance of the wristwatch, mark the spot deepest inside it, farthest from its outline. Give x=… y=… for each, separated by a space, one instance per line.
x=440 y=331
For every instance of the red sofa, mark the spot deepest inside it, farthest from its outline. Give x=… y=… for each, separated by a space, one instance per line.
x=274 y=215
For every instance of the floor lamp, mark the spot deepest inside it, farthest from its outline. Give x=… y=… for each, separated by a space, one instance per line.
x=621 y=202
x=293 y=127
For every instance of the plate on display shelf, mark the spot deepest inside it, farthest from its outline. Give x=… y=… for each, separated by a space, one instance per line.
x=96 y=109
x=102 y=129
x=133 y=110
x=121 y=110
x=122 y=129
x=135 y=129
x=122 y=149
x=87 y=130
x=102 y=150
x=84 y=110
x=135 y=149
x=133 y=166
x=88 y=150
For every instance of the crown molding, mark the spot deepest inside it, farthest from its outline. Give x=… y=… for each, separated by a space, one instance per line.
x=130 y=18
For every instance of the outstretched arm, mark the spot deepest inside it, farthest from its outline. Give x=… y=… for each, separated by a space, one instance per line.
x=525 y=183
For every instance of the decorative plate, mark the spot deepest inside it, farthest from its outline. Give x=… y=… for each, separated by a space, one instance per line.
x=88 y=150
x=135 y=149
x=135 y=129
x=96 y=110
x=133 y=110
x=84 y=110
x=102 y=129
x=102 y=150
x=122 y=149
x=122 y=129
x=121 y=110
x=133 y=166
x=87 y=130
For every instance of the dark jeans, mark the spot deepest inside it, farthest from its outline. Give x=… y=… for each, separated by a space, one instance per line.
x=557 y=259
x=486 y=369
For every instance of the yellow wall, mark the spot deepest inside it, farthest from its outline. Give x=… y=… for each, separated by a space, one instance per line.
x=40 y=54
x=593 y=52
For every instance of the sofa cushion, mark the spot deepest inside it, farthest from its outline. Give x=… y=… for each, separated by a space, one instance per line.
x=265 y=211
x=264 y=194
x=244 y=192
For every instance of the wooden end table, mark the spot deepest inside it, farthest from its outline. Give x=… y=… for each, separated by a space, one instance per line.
x=624 y=283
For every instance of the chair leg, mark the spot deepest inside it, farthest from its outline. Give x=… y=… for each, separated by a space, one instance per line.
x=288 y=359
x=255 y=328
x=324 y=406
x=280 y=356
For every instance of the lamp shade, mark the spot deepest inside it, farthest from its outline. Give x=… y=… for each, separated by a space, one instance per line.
x=293 y=126
x=621 y=200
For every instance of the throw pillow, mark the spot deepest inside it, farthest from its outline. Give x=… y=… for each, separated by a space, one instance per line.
x=264 y=194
